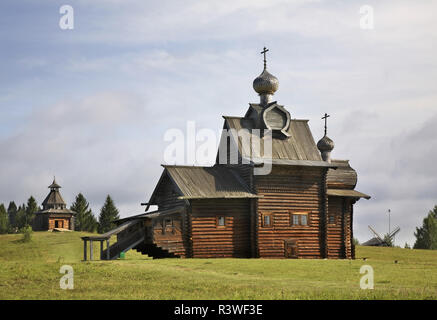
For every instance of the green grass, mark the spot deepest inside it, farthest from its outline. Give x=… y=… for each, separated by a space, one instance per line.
x=31 y=271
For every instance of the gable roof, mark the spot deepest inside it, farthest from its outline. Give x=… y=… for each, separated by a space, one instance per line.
x=208 y=182
x=205 y=182
x=299 y=145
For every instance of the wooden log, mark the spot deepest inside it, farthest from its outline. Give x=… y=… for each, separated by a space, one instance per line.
x=91 y=250
x=84 y=250
x=101 y=249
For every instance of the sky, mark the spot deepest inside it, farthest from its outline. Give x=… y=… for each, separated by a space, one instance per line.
x=91 y=105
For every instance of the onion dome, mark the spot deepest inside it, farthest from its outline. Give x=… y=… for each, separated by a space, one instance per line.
x=265 y=83
x=325 y=144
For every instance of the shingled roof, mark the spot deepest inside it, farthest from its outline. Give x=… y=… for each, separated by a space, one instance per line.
x=54 y=203
x=206 y=182
x=298 y=147
x=53 y=198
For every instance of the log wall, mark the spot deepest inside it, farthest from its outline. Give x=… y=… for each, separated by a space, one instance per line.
x=64 y=221
x=287 y=190
x=212 y=241
x=339 y=234
x=169 y=233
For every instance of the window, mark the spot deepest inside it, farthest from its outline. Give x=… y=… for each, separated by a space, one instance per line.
x=221 y=221
x=267 y=220
x=167 y=226
x=299 y=219
x=331 y=219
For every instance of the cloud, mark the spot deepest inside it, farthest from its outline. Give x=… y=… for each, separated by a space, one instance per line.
x=89 y=144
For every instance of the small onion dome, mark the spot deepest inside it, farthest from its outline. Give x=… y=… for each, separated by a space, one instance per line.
x=325 y=144
x=265 y=83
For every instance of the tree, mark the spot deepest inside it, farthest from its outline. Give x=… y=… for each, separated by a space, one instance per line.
x=21 y=218
x=426 y=236
x=407 y=246
x=31 y=209
x=108 y=214
x=84 y=219
x=4 y=220
x=12 y=213
x=356 y=242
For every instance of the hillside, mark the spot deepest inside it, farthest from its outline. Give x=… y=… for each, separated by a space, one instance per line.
x=31 y=271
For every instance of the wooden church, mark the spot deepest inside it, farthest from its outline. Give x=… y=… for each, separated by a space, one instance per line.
x=302 y=207
x=54 y=213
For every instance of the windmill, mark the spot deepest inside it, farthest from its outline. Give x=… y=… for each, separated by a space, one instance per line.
x=379 y=241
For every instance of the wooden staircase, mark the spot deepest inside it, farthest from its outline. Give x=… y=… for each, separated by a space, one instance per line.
x=124 y=245
x=131 y=235
x=154 y=251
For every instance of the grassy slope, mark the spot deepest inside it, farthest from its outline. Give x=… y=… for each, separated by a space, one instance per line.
x=31 y=271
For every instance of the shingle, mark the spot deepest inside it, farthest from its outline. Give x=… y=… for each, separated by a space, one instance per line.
x=299 y=146
x=208 y=182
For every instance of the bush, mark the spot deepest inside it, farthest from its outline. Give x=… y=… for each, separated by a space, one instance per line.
x=27 y=233
x=355 y=242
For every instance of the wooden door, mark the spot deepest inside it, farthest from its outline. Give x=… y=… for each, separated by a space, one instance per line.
x=291 y=249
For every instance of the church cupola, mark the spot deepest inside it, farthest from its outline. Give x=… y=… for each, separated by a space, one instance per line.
x=265 y=84
x=54 y=186
x=54 y=199
x=325 y=145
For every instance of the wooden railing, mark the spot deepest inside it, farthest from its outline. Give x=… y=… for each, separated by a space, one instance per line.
x=124 y=245
x=113 y=251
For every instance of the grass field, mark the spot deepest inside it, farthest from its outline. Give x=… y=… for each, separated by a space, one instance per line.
x=31 y=271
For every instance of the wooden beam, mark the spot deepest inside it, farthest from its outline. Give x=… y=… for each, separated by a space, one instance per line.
x=343 y=229
x=107 y=249
x=101 y=249
x=91 y=250
x=84 y=250
x=324 y=215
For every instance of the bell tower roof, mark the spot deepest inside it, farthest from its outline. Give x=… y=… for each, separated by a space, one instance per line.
x=54 y=185
x=54 y=199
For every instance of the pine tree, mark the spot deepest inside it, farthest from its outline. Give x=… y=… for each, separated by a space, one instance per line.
x=12 y=213
x=84 y=219
x=108 y=214
x=426 y=236
x=21 y=218
x=4 y=220
x=31 y=209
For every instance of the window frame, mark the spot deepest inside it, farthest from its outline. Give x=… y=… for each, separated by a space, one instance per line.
x=299 y=214
x=334 y=217
x=164 y=225
x=271 y=219
x=217 y=221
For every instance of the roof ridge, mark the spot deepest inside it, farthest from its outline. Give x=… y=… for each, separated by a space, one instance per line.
x=232 y=117
x=183 y=166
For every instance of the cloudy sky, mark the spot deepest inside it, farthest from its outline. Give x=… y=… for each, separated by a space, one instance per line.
x=91 y=105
